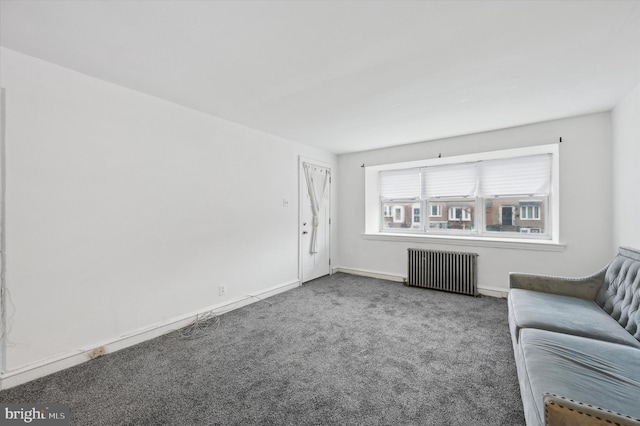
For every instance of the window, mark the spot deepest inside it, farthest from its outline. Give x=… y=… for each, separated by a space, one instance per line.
x=530 y=212
x=398 y=214
x=459 y=214
x=400 y=195
x=515 y=191
x=416 y=215
x=509 y=193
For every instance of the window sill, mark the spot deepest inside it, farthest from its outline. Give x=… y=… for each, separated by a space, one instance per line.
x=510 y=243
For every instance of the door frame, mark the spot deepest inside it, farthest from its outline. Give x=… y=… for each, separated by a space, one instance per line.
x=302 y=188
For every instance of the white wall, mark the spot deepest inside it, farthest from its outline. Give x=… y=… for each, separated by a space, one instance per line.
x=626 y=171
x=125 y=211
x=585 y=202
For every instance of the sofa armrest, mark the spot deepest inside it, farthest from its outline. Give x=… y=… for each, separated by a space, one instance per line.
x=559 y=411
x=584 y=287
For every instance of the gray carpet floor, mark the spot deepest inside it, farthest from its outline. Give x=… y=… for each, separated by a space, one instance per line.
x=340 y=350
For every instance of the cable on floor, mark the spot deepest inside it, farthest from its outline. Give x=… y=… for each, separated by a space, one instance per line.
x=202 y=325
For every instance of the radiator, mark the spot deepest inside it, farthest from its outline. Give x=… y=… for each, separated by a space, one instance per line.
x=443 y=270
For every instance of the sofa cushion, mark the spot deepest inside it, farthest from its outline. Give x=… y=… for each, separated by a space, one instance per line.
x=564 y=314
x=619 y=296
x=591 y=371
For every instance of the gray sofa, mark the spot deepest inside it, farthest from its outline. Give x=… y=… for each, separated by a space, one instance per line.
x=577 y=344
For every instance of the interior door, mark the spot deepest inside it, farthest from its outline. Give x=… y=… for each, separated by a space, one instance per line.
x=315 y=220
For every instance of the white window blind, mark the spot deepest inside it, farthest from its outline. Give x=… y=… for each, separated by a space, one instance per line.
x=400 y=184
x=451 y=180
x=530 y=175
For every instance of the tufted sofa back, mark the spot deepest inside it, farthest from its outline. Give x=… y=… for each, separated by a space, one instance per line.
x=619 y=296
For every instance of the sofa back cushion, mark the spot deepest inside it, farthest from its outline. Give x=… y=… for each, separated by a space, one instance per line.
x=619 y=296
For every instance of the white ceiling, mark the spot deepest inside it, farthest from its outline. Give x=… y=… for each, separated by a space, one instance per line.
x=347 y=76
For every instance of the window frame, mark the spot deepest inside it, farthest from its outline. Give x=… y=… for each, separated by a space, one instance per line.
x=550 y=209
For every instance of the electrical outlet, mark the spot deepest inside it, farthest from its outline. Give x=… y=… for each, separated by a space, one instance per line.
x=96 y=352
x=222 y=289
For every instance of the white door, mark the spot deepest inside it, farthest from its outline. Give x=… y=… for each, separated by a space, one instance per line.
x=315 y=220
x=3 y=291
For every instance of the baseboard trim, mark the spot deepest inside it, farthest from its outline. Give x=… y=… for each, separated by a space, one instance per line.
x=486 y=291
x=370 y=274
x=44 y=368
x=500 y=293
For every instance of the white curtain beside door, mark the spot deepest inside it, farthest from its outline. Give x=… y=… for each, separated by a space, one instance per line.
x=318 y=180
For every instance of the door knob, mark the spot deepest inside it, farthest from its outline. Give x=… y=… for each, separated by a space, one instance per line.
x=304 y=232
